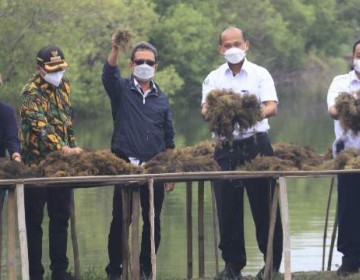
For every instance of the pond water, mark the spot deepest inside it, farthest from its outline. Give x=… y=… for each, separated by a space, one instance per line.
x=301 y=120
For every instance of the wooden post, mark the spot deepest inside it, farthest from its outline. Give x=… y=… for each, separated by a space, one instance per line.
x=189 y=230
x=326 y=222
x=152 y=227
x=11 y=234
x=201 y=230
x=215 y=228
x=135 y=267
x=333 y=237
x=286 y=227
x=2 y=198
x=74 y=237
x=126 y=197
x=22 y=231
x=270 y=243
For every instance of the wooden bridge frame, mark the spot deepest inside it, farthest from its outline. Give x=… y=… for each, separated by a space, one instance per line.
x=16 y=188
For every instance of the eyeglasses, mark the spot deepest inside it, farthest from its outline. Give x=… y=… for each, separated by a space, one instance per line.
x=142 y=61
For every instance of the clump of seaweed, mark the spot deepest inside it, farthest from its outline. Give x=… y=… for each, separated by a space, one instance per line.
x=15 y=170
x=268 y=163
x=122 y=36
x=227 y=109
x=304 y=158
x=187 y=159
x=347 y=159
x=348 y=107
x=87 y=163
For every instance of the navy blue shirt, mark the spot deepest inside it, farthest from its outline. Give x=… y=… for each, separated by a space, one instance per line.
x=143 y=125
x=9 y=140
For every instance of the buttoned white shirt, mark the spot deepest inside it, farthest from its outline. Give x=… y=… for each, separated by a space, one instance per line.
x=349 y=83
x=252 y=79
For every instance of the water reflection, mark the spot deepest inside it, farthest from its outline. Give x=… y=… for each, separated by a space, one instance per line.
x=300 y=120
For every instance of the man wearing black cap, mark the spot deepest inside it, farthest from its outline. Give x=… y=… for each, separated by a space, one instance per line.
x=46 y=126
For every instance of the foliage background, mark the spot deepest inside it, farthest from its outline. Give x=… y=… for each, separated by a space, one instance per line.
x=295 y=39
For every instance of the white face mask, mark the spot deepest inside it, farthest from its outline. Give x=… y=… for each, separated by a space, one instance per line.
x=144 y=72
x=356 y=63
x=54 y=78
x=234 y=55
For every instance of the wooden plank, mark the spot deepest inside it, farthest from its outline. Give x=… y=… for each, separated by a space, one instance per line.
x=135 y=266
x=1 y=229
x=326 y=222
x=11 y=235
x=152 y=227
x=74 y=240
x=333 y=237
x=189 y=244
x=83 y=181
x=270 y=243
x=125 y=196
x=201 y=245
x=286 y=227
x=22 y=231
x=215 y=228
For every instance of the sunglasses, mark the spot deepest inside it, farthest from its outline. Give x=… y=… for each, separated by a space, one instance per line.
x=142 y=61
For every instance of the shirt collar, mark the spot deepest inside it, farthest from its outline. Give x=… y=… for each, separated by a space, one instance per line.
x=354 y=77
x=244 y=67
x=153 y=88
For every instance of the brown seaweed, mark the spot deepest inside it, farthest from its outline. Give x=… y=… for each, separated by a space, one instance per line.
x=348 y=107
x=268 y=163
x=122 y=36
x=187 y=159
x=226 y=109
x=302 y=157
x=104 y=162
x=16 y=170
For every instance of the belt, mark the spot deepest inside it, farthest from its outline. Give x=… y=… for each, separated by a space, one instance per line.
x=250 y=139
x=246 y=142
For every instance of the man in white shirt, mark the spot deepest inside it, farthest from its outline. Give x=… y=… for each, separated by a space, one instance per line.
x=348 y=184
x=241 y=76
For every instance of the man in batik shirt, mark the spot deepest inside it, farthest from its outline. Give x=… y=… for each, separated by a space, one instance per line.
x=46 y=126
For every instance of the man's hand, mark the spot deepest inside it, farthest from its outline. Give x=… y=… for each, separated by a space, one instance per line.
x=16 y=157
x=121 y=38
x=204 y=108
x=169 y=186
x=71 y=151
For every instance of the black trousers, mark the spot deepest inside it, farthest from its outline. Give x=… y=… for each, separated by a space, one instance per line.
x=58 y=207
x=229 y=199
x=349 y=221
x=115 y=236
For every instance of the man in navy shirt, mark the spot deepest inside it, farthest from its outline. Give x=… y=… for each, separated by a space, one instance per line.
x=143 y=128
x=9 y=140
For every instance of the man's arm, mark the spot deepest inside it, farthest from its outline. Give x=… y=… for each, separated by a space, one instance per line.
x=12 y=142
x=169 y=130
x=113 y=56
x=269 y=109
x=111 y=74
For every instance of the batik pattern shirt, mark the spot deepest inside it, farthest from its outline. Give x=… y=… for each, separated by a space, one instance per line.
x=46 y=123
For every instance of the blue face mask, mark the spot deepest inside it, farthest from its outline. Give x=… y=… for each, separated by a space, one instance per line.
x=144 y=72
x=54 y=78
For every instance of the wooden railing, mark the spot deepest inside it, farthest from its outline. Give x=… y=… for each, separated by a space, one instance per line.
x=16 y=186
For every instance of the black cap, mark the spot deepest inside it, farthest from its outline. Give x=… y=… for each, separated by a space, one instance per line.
x=51 y=59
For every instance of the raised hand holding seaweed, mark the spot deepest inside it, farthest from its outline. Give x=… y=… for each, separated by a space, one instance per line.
x=121 y=37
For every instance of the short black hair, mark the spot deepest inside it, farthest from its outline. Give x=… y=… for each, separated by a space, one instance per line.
x=144 y=46
x=355 y=45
